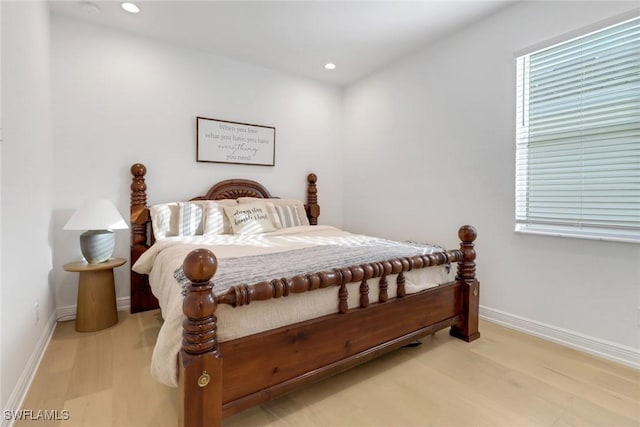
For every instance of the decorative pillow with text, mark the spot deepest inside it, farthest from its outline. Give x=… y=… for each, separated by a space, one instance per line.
x=251 y=218
x=297 y=204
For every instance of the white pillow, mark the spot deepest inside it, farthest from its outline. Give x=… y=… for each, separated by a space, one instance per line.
x=251 y=218
x=164 y=220
x=215 y=221
x=271 y=211
x=225 y=202
x=167 y=220
x=190 y=219
x=299 y=206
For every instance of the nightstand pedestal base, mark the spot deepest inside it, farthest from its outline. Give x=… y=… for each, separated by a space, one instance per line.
x=96 y=307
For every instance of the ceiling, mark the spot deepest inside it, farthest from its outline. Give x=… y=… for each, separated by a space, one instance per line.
x=296 y=37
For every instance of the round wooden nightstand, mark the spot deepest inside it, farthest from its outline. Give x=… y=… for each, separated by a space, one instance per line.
x=96 y=294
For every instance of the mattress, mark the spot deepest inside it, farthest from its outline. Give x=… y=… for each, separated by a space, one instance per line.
x=263 y=253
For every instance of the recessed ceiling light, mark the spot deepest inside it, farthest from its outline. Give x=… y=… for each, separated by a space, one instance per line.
x=330 y=66
x=89 y=8
x=130 y=7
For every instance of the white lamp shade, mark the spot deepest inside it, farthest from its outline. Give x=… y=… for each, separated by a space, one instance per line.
x=96 y=215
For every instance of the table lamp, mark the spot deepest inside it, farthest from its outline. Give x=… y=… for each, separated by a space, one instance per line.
x=98 y=217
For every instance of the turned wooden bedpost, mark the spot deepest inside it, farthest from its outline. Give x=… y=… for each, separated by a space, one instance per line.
x=138 y=204
x=141 y=296
x=467 y=328
x=200 y=361
x=313 y=209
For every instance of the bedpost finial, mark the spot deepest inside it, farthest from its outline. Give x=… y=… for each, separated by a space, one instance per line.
x=312 y=207
x=199 y=304
x=138 y=195
x=200 y=265
x=138 y=170
x=467 y=267
x=467 y=233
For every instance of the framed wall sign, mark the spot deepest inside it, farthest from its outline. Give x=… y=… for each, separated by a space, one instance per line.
x=222 y=141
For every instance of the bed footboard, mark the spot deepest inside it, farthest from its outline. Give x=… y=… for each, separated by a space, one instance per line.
x=211 y=389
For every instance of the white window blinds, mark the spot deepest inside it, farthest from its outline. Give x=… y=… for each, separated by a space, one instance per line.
x=578 y=136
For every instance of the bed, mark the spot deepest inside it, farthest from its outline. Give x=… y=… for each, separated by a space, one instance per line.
x=376 y=305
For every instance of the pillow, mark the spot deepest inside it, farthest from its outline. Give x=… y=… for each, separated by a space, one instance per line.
x=288 y=216
x=213 y=217
x=168 y=220
x=225 y=202
x=271 y=211
x=190 y=219
x=215 y=221
x=299 y=206
x=251 y=218
x=164 y=220
x=273 y=214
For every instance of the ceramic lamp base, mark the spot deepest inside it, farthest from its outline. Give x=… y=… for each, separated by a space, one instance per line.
x=97 y=245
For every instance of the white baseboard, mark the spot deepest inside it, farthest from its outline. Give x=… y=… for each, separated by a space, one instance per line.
x=608 y=350
x=69 y=312
x=16 y=398
x=19 y=392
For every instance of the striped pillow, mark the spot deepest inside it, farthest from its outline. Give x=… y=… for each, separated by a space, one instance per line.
x=189 y=219
x=288 y=215
x=273 y=215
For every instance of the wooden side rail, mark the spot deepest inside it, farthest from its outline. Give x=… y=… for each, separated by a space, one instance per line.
x=331 y=344
x=244 y=294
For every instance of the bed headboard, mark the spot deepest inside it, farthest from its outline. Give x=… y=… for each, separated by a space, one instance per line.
x=142 y=235
x=235 y=188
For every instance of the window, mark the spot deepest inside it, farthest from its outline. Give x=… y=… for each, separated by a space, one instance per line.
x=578 y=136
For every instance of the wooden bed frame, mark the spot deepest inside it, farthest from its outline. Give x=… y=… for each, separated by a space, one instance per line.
x=217 y=380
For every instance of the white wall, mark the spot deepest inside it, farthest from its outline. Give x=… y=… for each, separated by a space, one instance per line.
x=429 y=146
x=26 y=176
x=120 y=99
x=2 y=401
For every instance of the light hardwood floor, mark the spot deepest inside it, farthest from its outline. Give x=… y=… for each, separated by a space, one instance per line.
x=505 y=378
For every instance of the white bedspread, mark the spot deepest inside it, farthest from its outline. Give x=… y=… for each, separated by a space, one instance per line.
x=164 y=257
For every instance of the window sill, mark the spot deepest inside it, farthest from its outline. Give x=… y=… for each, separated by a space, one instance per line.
x=622 y=237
